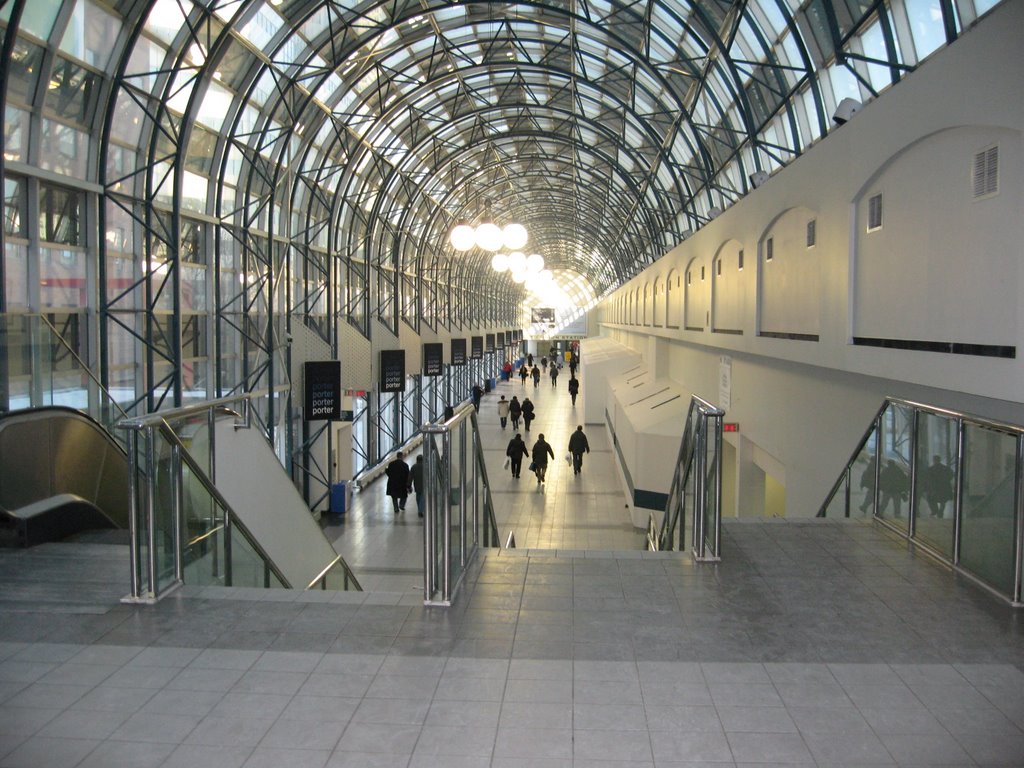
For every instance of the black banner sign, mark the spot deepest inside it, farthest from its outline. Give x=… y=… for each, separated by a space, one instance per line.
x=499 y=340
x=458 y=351
x=322 y=395
x=489 y=342
x=433 y=359
x=392 y=370
x=476 y=347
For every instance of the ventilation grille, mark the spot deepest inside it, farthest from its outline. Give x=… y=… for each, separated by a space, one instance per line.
x=986 y=172
x=875 y=213
x=769 y=249
x=812 y=233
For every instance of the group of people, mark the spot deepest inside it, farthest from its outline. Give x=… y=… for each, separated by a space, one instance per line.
x=403 y=479
x=542 y=451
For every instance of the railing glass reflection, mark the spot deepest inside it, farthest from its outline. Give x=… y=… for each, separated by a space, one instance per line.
x=695 y=494
x=948 y=481
x=459 y=511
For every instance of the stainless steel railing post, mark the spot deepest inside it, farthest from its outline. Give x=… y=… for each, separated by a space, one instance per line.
x=177 y=511
x=958 y=490
x=151 y=510
x=446 y=520
x=133 y=516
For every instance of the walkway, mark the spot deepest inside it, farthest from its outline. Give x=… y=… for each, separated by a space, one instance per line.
x=583 y=512
x=814 y=643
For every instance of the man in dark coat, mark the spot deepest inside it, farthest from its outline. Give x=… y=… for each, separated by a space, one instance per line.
x=578 y=445
x=574 y=388
x=516 y=451
x=539 y=455
x=416 y=478
x=515 y=410
x=528 y=414
x=399 y=481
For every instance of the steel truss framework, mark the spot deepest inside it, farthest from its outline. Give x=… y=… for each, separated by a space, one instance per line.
x=244 y=166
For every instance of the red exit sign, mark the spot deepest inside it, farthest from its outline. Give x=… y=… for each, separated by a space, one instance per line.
x=730 y=426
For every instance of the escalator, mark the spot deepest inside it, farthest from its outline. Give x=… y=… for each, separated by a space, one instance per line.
x=61 y=474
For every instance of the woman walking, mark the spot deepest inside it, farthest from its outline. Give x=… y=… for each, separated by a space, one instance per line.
x=528 y=414
x=515 y=411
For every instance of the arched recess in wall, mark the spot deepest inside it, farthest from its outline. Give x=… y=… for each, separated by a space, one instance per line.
x=646 y=316
x=727 y=293
x=658 y=303
x=635 y=298
x=942 y=288
x=697 y=307
x=674 y=299
x=789 y=277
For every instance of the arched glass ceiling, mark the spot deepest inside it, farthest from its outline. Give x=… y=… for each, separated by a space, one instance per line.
x=256 y=162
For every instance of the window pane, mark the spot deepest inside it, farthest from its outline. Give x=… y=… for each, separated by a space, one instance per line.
x=91 y=34
x=16 y=275
x=63 y=149
x=62 y=278
x=60 y=212
x=936 y=481
x=926 y=25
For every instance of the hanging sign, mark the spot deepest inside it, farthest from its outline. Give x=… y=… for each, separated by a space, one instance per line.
x=458 y=351
x=499 y=340
x=489 y=342
x=322 y=391
x=392 y=370
x=477 y=347
x=433 y=359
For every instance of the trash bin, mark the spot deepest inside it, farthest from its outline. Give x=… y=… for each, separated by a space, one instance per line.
x=338 y=499
x=488 y=385
x=493 y=383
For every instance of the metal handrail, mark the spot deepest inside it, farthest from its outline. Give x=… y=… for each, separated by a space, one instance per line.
x=153 y=419
x=209 y=487
x=323 y=574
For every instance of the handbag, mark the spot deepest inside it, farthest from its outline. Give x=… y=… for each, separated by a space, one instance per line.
x=568 y=458
x=508 y=462
x=533 y=466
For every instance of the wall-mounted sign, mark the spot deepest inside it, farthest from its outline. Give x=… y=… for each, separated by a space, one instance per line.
x=392 y=370
x=489 y=342
x=322 y=390
x=476 y=349
x=458 y=351
x=499 y=339
x=542 y=315
x=730 y=426
x=433 y=359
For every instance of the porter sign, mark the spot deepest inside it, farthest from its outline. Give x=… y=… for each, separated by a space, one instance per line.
x=392 y=370
x=458 y=351
x=477 y=348
x=490 y=342
x=322 y=401
x=433 y=359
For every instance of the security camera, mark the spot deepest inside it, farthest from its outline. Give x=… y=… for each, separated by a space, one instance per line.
x=758 y=178
x=846 y=109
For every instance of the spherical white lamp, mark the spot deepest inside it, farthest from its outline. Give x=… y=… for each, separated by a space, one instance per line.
x=488 y=236
x=515 y=236
x=517 y=261
x=520 y=277
x=462 y=237
x=499 y=262
x=535 y=262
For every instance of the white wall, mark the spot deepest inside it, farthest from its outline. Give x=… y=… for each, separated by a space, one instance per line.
x=944 y=267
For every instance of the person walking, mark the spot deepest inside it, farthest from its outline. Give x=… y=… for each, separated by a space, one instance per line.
x=478 y=393
x=398 y=482
x=536 y=376
x=572 y=365
x=529 y=360
x=544 y=363
x=528 y=414
x=574 y=388
x=516 y=450
x=515 y=411
x=578 y=445
x=523 y=374
x=937 y=483
x=554 y=375
x=539 y=455
x=416 y=474
x=892 y=482
x=503 y=411
x=506 y=371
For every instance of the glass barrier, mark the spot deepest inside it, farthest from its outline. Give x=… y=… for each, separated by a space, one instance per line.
x=950 y=482
x=182 y=529
x=459 y=508
x=695 y=493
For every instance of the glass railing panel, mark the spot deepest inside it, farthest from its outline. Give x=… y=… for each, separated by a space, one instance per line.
x=836 y=506
x=711 y=497
x=248 y=567
x=459 y=501
x=341 y=579
x=935 y=463
x=862 y=477
x=163 y=522
x=689 y=504
x=895 y=441
x=987 y=530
